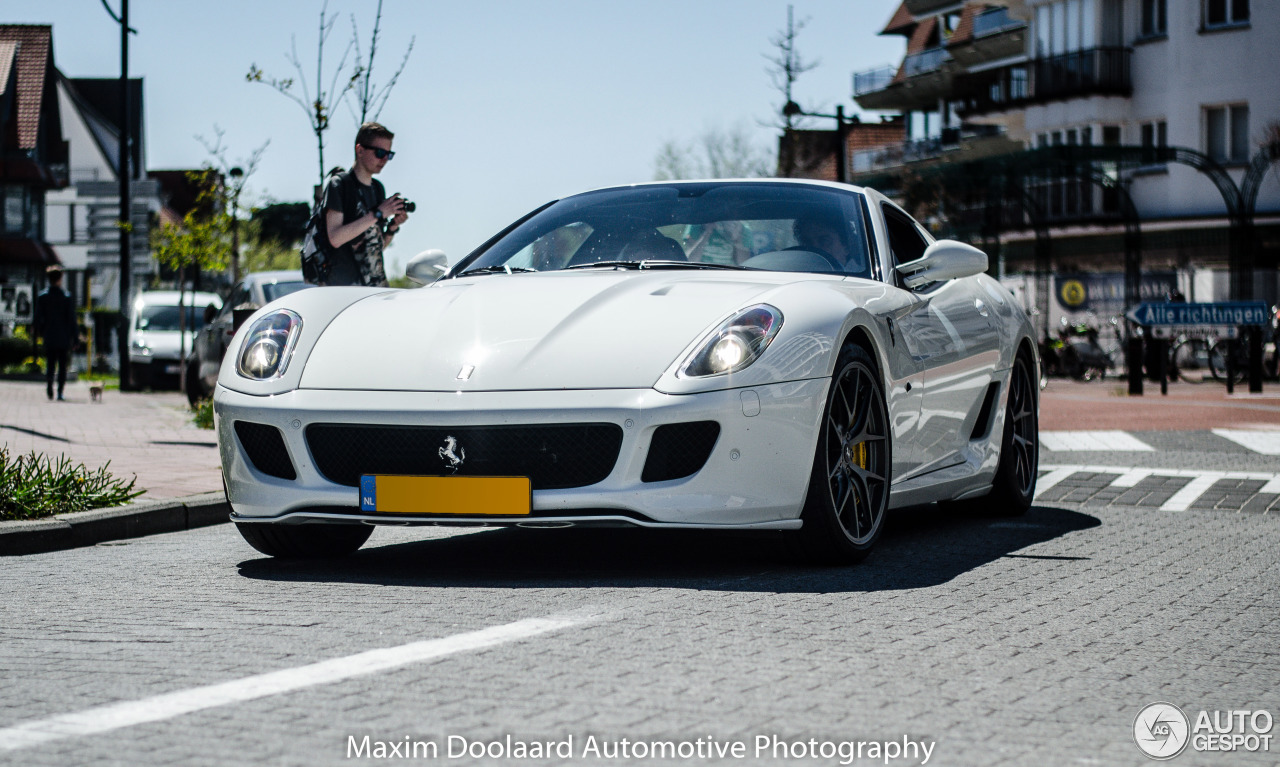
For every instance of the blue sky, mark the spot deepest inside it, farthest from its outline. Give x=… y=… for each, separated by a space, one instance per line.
x=504 y=105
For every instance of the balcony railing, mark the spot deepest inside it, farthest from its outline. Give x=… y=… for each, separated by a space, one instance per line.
x=925 y=61
x=1092 y=72
x=896 y=155
x=873 y=80
x=994 y=21
x=1089 y=72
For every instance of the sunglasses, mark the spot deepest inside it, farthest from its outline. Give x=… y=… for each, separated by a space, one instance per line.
x=379 y=152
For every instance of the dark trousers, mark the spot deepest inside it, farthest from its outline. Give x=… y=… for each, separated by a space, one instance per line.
x=61 y=358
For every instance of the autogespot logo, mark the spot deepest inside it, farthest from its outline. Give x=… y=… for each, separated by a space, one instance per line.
x=1161 y=730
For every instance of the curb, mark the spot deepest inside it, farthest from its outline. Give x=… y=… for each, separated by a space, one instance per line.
x=86 y=528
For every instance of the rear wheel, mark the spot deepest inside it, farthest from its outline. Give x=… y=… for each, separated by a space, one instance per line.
x=1015 y=482
x=305 y=541
x=848 y=497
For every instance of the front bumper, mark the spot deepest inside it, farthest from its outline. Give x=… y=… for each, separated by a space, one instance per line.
x=756 y=476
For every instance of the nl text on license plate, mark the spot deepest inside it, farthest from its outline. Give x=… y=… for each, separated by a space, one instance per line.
x=506 y=496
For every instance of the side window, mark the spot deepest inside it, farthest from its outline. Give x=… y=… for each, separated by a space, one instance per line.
x=905 y=240
x=239 y=295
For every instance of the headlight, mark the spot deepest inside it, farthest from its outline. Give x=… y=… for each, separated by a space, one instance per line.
x=140 y=348
x=735 y=344
x=269 y=345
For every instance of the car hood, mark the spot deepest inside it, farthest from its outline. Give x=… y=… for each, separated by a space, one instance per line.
x=558 y=330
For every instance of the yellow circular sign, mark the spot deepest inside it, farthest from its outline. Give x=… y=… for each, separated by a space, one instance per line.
x=1073 y=293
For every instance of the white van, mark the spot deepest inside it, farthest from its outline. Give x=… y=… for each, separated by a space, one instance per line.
x=155 y=343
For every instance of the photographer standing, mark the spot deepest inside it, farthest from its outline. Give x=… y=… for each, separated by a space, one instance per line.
x=360 y=218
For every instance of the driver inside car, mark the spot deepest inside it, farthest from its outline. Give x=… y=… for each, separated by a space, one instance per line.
x=828 y=239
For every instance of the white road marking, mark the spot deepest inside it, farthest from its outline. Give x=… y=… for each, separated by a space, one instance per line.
x=1109 y=441
x=1130 y=476
x=1265 y=442
x=1182 y=500
x=1054 y=476
x=169 y=705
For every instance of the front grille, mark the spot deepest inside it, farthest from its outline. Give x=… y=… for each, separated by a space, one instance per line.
x=679 y=450
x=265 y=447
x=553 y=456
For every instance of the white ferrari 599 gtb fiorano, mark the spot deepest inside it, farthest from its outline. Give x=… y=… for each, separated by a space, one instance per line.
x=785 y=355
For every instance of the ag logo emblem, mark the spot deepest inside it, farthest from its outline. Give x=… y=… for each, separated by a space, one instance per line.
x=453 y=453
x=1073 y=293
x=1161 y=730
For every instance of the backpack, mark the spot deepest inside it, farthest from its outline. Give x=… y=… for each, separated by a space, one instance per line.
x=316 y=251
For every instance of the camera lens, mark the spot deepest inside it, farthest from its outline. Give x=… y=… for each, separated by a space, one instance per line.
x=410 y=206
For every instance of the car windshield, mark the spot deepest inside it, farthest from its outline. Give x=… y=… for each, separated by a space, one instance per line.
x=273 y=290
x=770 y=226
x=157 y=317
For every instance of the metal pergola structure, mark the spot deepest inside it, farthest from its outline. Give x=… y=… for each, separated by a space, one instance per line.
x=989 y=196
x=986 y=197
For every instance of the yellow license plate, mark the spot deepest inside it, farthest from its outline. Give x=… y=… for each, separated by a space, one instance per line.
x=505 y=496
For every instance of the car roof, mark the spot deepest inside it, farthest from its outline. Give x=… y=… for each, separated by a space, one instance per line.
x=732 y=181
x=282 y=275
x=170 y=297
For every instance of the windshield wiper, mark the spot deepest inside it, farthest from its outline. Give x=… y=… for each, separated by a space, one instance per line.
x=656 y=264
x=502 y=269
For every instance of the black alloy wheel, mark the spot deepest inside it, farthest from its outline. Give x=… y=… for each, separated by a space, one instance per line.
x=1015 y=481
x=848 y=497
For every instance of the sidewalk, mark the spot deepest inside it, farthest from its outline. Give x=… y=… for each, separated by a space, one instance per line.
x=149 y=435
x=1067 y=405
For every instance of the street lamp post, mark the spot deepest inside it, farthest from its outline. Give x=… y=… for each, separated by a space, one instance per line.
x=792 y=109
x=236 y=174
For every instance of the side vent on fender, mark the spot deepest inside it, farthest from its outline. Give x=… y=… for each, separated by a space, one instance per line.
x=982 y=426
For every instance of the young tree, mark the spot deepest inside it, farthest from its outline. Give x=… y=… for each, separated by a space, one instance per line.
x=200 y=241
x=317 y=109
x=372 y=97
x=235 y=177
x=786 y=66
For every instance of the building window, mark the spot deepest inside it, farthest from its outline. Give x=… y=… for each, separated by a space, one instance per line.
x=1226 y=133
x=15 y=209
x=1064 y=26
x=1155 y=134
x=1225 y=13
x=1154 y=22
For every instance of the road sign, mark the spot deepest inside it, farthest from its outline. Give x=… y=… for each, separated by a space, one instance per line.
x=1225 y=313
x=1195 y=331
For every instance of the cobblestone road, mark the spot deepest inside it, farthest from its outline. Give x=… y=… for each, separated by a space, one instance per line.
x=1028 y=641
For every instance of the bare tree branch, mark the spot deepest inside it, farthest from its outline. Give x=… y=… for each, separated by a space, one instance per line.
x=787 y=65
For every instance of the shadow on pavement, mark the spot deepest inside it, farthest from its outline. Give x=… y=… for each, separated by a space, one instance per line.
x=920 y=547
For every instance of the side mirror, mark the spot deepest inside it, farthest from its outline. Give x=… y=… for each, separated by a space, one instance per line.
x=943 y=260
x=210 y=312
x=427 y=267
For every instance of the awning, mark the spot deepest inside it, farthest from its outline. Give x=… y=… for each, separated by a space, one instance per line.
x=27 y=251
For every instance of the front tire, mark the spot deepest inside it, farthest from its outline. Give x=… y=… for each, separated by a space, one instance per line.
x=305 y=541
x=848 y=496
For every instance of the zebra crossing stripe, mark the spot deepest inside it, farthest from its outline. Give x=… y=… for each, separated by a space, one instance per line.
x=1054 y=476
x=1102 y=441
x=1130 y=476
x=1182 y=500
x=1264 y=442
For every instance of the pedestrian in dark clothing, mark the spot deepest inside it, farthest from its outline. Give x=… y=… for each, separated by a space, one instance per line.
x=55 y=322
x=360 y=218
